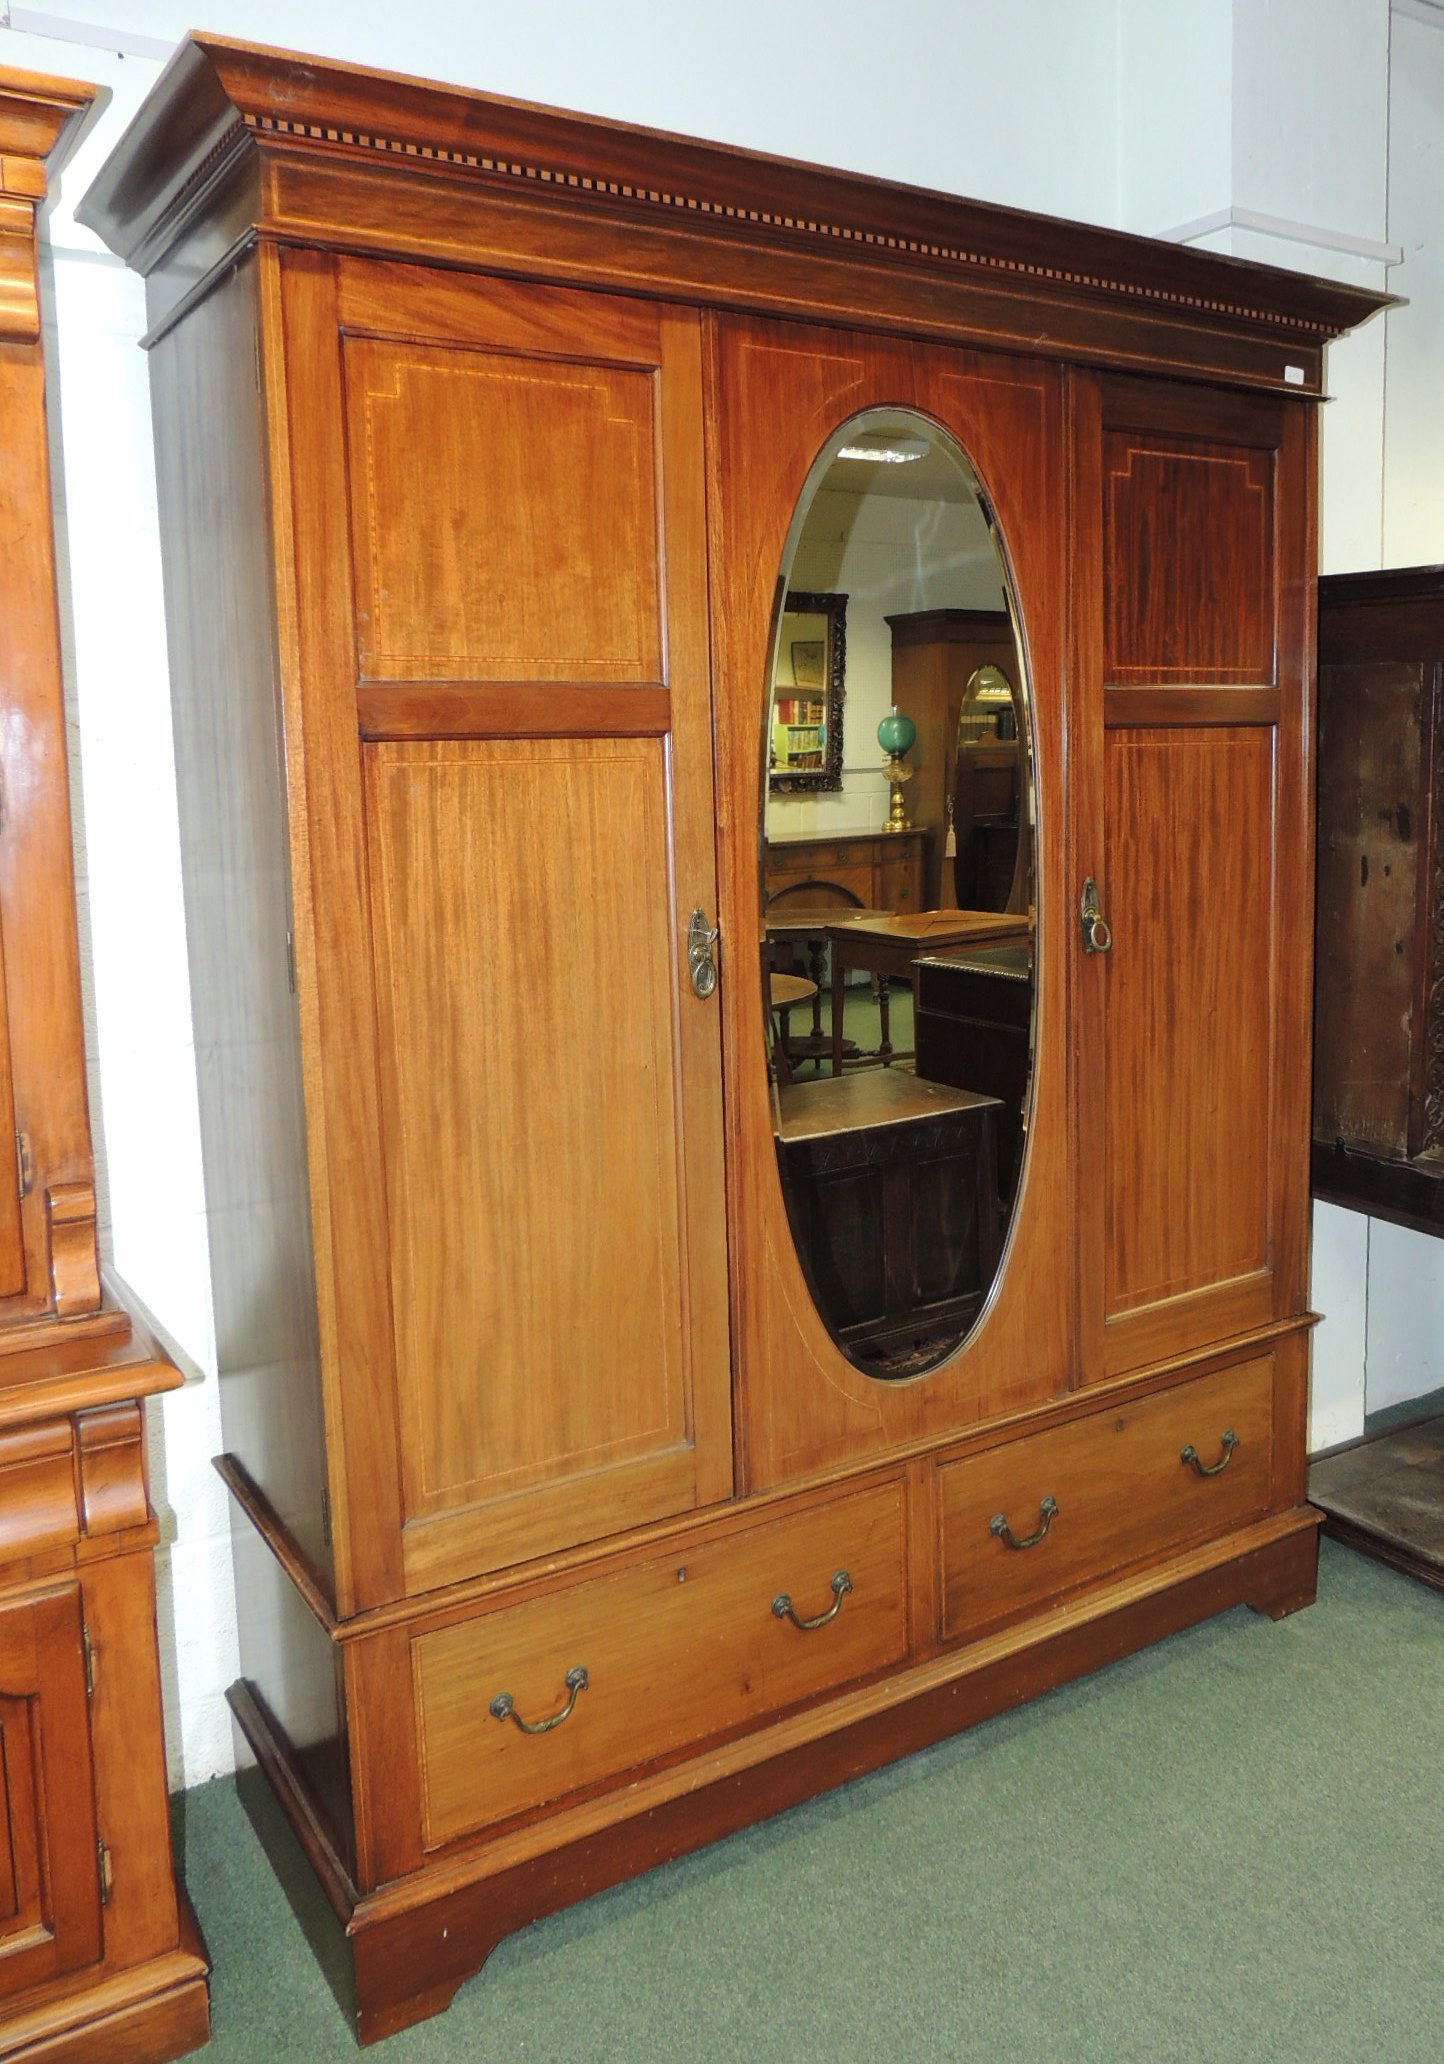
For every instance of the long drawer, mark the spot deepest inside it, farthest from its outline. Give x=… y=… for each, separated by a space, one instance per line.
x=674 y=1651
x=1032 y=1520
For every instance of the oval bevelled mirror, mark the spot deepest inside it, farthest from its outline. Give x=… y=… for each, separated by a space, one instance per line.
x=898 y=921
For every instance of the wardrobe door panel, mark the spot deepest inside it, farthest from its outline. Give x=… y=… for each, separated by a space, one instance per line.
x=1187 y=1062
x=515 y=652
x=526 y=547
x=1193 y=1024
x=44 y=1128
x=1193 y=521
x=781 y=390
x=516 y=1221
x=49 y=1874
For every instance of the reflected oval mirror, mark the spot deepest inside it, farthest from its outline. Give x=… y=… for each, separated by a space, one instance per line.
x=898 y=920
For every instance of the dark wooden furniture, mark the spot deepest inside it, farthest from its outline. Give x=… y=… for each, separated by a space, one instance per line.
x=1378 y=1124
x=1384 y=1495
x=935 y=653
x=98 y=1957
x=481 y=430
x=797 y=934
x=785 y=994
x=879 y=869
x=1378 y=1127
x=891 y=1190
x=888 y=948
x=973 y=1027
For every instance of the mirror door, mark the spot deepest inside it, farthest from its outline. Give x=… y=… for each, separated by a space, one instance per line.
x=900 y=1129
x=814 y=1391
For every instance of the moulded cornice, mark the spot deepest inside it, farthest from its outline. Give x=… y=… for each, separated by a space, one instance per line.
x=219 y=100
x=36 y=111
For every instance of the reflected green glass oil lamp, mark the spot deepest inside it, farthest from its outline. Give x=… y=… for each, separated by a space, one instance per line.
x=896 y=735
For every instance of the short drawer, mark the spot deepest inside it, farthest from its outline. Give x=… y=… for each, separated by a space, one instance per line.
x=675 y=1650
x=1120 y=1488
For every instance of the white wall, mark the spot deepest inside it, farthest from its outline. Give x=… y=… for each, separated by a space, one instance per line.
x=1404 y=1352
x=1325 y=153
x=1104 y=110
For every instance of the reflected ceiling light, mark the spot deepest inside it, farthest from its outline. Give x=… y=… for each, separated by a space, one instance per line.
x=887 y=451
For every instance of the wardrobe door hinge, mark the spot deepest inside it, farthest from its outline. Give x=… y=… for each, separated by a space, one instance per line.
x=325 y=1515
x=88 y=1646
x=291 y=961
x=105 y=1870
x=24 y=1163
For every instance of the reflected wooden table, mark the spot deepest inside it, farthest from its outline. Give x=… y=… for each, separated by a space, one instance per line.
x=806 y=928
x=888 y=946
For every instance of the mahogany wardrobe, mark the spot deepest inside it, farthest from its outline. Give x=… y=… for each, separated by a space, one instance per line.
x=580 y=1518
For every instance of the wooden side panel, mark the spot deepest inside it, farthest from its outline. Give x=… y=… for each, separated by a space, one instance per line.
x=292 y=1665
x=49 y=1867
x=1187 y=1066
x=1192 y=520
x=501 y=535
x=222 y=630
x=519 y=1226
x=12 y=1227
x=780 y=390
x=1373 y=895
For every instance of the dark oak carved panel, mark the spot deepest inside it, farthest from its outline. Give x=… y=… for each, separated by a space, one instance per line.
x=1378 y=1113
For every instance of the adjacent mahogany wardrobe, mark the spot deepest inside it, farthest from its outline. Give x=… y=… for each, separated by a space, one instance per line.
x=99 y=1957
x=569 y=1536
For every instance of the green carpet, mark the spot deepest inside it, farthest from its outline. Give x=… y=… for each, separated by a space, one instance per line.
x=1226 y=1850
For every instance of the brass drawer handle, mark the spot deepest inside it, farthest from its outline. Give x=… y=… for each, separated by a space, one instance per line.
x=1047 y=1512
x=839 y=1587
x=1228 y=1441
x=503 y=1706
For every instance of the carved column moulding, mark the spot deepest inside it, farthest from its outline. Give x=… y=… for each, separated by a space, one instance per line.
x=33 y=113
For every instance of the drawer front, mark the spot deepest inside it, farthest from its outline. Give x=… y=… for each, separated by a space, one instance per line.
x=675 y=1650
x=802 y=857
x=1121 y=1489
x=899 y=882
